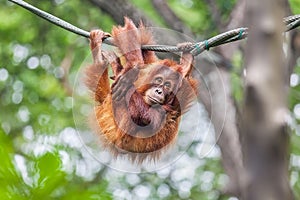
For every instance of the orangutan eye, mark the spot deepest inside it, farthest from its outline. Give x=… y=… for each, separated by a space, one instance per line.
x=158 y=80
x=167 y=85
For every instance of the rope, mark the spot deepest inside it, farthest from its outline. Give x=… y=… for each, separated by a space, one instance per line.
x=291 y=22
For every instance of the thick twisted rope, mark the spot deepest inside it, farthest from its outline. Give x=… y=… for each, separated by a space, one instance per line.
x=291 y=22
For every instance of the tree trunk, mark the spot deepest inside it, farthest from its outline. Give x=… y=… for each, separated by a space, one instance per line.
x=118 y=9
x=264 y=129
x=172 y=20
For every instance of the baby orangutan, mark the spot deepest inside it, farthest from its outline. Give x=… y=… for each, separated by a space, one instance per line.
x=139 y=113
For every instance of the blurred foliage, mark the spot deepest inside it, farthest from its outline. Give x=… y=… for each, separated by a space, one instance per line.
x=295 y=6
x=40 y=155
x=40 y=177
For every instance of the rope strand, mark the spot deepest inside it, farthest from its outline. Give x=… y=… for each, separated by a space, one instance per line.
x=291 y=22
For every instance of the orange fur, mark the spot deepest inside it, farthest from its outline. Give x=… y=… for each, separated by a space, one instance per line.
x=112 y=119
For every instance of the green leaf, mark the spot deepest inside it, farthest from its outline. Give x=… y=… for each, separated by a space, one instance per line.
x=50 y=175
